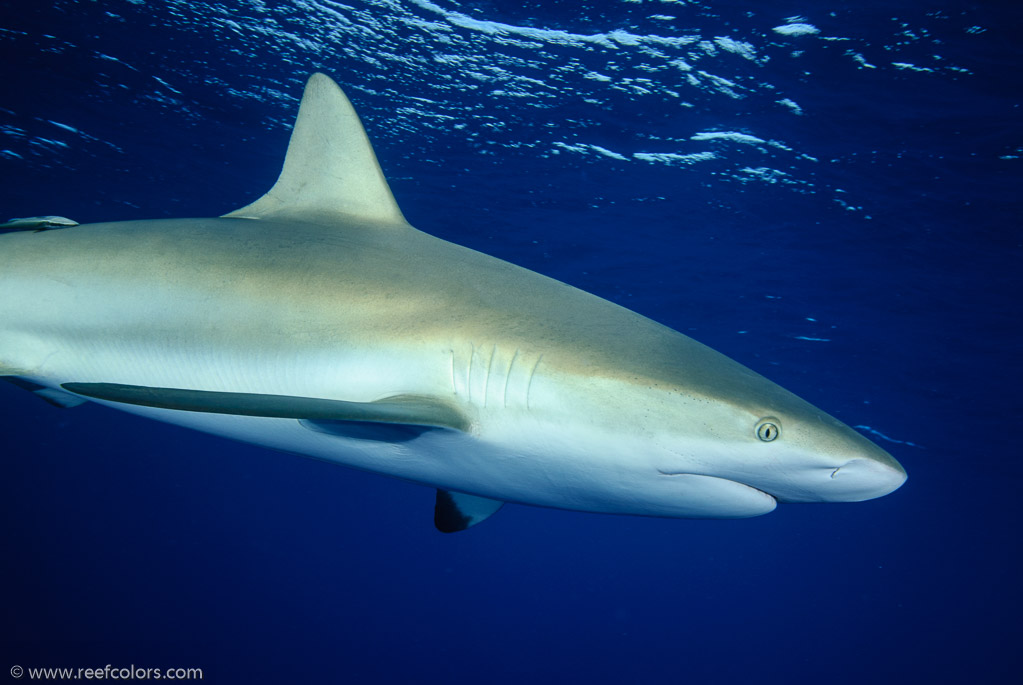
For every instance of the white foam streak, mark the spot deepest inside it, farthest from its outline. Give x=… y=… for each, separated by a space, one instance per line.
x=612 y=40
x=797 y=29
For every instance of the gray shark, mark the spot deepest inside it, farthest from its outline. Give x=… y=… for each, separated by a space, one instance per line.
x=317 y=321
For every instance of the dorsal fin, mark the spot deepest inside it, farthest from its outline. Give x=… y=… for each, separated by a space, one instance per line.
x=330 y=169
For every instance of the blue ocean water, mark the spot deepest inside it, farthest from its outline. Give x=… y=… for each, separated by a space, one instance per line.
x=826 y=192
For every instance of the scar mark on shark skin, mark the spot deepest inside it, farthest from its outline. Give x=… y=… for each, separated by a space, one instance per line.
x=529 y=383
x=507 y=375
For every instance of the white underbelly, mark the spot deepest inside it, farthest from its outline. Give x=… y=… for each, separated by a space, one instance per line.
x=495 y=467
x=515 y=453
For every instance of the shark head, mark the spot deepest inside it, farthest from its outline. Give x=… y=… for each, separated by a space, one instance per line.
x=686 y=431
x=787 y=449
x=673 y=452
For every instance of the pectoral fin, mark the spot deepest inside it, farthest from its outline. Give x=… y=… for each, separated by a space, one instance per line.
x=455 y=511
x=317 y=414
x=368 y=430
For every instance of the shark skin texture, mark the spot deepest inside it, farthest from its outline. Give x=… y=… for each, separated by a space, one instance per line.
x=317 y=321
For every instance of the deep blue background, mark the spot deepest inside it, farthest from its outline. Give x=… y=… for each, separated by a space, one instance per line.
x=126 y=541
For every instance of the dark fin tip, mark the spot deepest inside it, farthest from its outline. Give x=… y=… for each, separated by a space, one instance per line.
x=446 y=516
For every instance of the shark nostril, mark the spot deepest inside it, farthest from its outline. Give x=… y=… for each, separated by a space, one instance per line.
x=851 y=462
x=864 y=478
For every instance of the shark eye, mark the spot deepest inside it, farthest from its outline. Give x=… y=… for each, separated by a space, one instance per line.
x=768 y=430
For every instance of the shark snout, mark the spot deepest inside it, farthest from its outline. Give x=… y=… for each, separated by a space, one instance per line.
x=864 y=478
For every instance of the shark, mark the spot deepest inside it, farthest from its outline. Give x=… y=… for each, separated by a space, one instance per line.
x=317 y=321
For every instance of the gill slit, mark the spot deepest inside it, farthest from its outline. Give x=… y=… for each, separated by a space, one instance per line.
x=468 y=373
x=486 y=380
x=529 y=383
x=454 y=386
x=507 y=376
